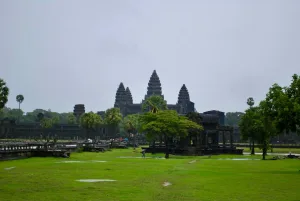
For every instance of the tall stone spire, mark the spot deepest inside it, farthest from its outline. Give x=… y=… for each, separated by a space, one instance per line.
x=154 y=86
x=121 y=96
x=183 y=95
x=129 y=96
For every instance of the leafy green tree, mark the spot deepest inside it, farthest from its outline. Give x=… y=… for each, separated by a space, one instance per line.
x=71 y=118
x=154 y=103
x=166 y=123
x=293 y=93
x=113 y=117
x=250 y=103
x=265 y=126
x=90 y=121
x=46 y=123
x=195 y=117
x=4 y=92
x=246 y=124
x=40 y=116
x=131 y=123
x=19 y=99
x=233 y=118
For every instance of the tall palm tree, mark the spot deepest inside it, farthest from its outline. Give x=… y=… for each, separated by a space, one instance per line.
x=250 y=102
x=154 y=104
x=20 y=99
x=112 y=118
x=4 y=91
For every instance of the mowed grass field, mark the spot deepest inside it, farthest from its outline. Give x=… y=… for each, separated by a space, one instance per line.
x=137 y=179
x=275 y=150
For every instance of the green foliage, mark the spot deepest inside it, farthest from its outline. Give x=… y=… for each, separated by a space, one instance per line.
x=166 y=123
x=12 y=113
x=233 y=118
x=71 y=118
x=154 y=103
x=40 y=116
x=90 y=120
x=113 y=116
x=194 y=117
x=250 y=101
x=279 y=112
x=247 y=123
x=283 y=105
x=46 y=123
x=4 y=92
x=20 y=98
x=131 y=123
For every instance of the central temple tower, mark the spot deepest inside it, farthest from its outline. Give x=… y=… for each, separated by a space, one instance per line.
x=154 y=86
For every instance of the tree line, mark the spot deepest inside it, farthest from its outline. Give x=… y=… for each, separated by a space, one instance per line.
x=155 y=120
x=278 y=113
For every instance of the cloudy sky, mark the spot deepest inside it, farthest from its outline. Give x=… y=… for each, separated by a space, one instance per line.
x=60 y=53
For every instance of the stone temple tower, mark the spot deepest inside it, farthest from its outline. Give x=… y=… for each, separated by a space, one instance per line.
x=129 y=99
x=79 y=109
x=154 y=86
x=121 y=96
x=184 y=100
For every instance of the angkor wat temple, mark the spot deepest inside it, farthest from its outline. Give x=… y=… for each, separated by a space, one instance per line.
x=125 y=103
x=212 y=121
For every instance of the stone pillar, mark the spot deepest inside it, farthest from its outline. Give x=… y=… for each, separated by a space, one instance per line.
x=223 y=138
x=206 y=138
x=231 y=138
x=216 y=138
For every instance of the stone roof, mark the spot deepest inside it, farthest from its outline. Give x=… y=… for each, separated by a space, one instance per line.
x=154 y=86
x=183 y=94
x=209 y=118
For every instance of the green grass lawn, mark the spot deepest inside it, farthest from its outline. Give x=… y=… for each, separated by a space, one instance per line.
x=275 y=150
x=208 y=179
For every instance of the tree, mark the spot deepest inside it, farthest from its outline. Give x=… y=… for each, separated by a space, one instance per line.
x=168 y=124
x=19 y=99
x=246 y=126
x=71 y=118
x=40 y=116
x=195 y=117
x=293 y=93
x=257 y=124
x=131 y=124
x=250 y=102
x=265 y=126
x=112 y=118
x=233 y=118
x=90 y=121
x=154 y=103
x=4 y=92
x=46 y=123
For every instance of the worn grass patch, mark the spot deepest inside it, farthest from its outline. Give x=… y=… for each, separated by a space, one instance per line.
x=43 y=179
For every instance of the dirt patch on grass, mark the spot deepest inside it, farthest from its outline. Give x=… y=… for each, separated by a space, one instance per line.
x=95 y=180
x=193 y=161
x=239 y=159
x=9 y=168
x=166 y=183
x=93 y=161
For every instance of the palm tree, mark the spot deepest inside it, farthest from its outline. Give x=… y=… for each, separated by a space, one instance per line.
x=113 y=117
x=20 y=99
x=250 y=102
x=4 y=91
x=154 y=104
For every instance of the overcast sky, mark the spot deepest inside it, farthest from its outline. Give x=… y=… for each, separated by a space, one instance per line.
x=60 y=53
